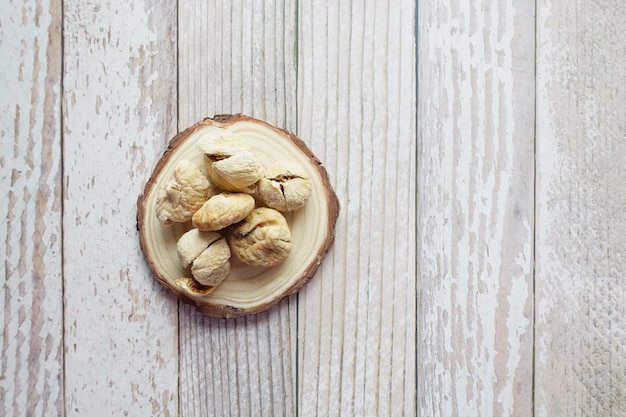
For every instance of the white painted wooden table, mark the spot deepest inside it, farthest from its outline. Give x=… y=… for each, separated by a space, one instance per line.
x=478 y=150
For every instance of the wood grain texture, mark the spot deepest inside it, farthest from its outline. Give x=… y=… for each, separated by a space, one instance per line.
x=475 y=208
x=238 y=57
x=518 y=268
x=31 y=379
x=356 y=106
x=581 y=222
x=119 y=112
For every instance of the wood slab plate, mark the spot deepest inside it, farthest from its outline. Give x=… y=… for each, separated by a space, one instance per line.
x=247 y=290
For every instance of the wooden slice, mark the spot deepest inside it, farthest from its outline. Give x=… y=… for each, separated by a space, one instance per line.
x=247 y=289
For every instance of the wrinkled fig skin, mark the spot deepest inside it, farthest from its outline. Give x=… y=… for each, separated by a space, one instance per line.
x=220 y=147
x=183 y=194
x=212 y=266
x=193 y=243
x=192 y=287
x=285 y=187
x=229 y=164
x=208 y=255
x=239 y=172
x=261 y=239
x=222 y=210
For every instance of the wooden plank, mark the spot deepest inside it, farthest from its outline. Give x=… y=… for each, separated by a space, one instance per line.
x=31 y=379
x=581 y=222
x=238 y=57
x=475 y=207
x=119 y=113
x=356 y=108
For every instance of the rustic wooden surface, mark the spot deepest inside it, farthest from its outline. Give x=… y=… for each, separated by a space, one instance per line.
x=475 y=209
x=478 y=150
x=580 y=280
